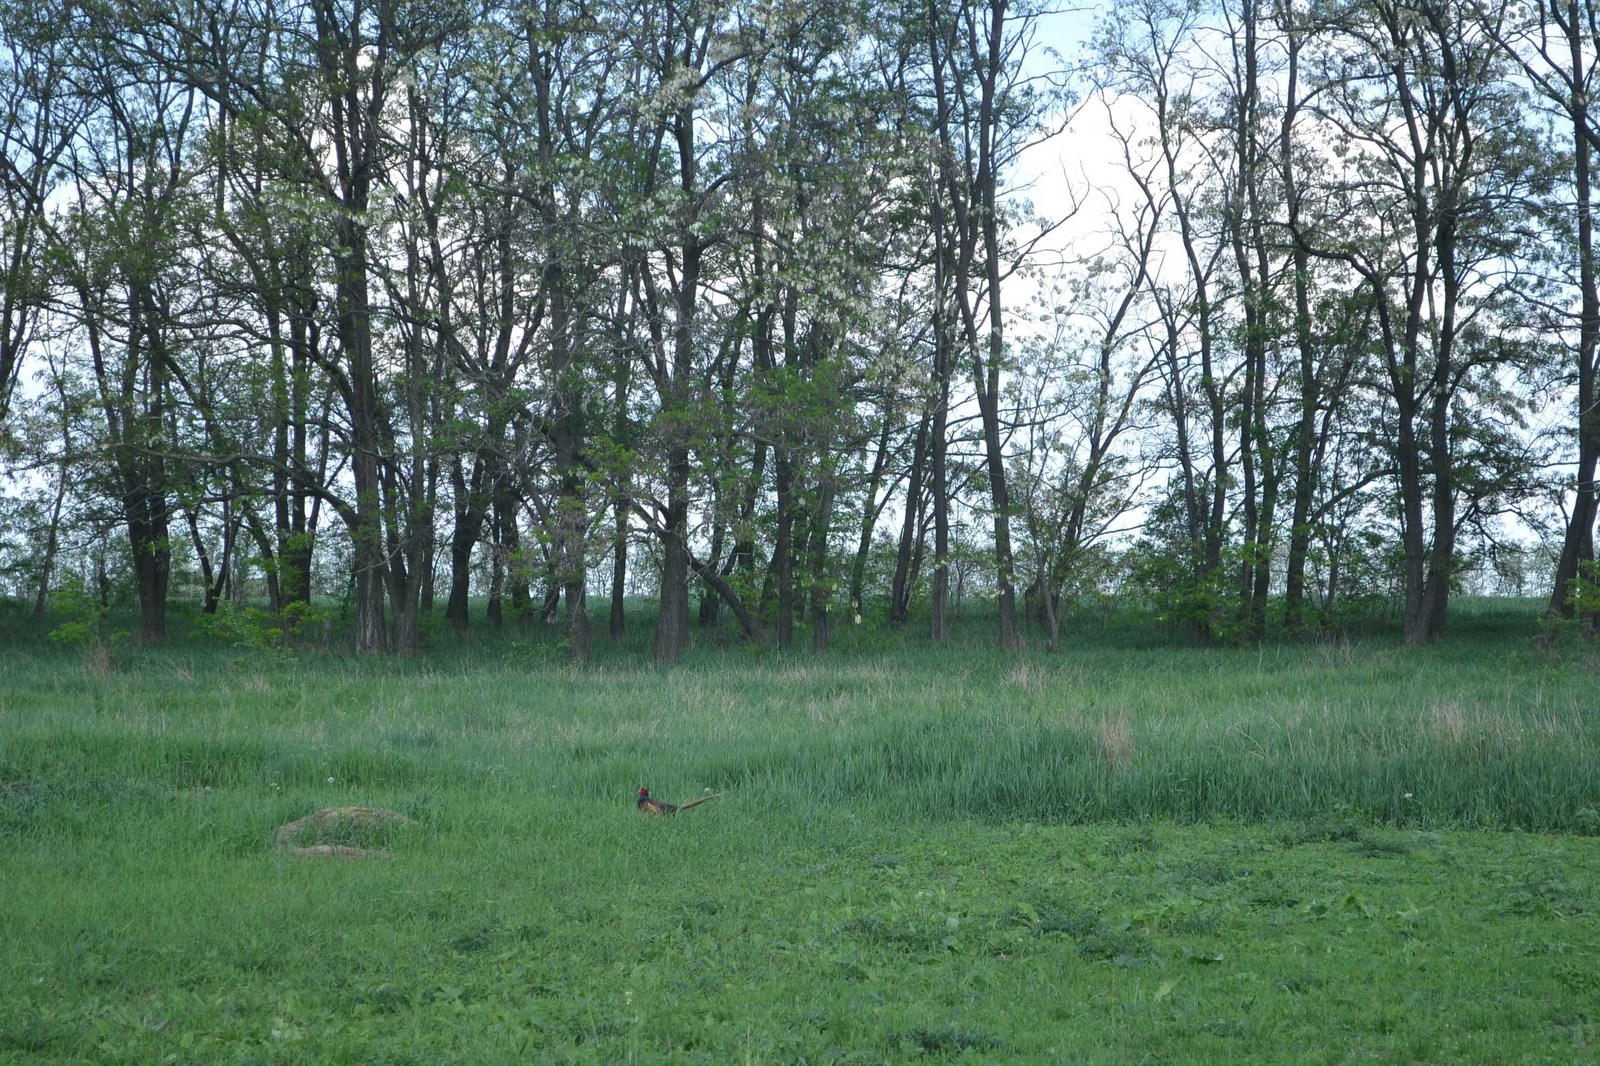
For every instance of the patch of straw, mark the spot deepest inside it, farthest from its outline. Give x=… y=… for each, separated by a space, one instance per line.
x=326 y=828
x=1447 y=723
x=340 y=851
x=1114 y=738
x=1026 y=676
x=97 y=660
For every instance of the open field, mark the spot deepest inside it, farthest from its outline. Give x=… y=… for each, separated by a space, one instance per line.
x=1132 y=851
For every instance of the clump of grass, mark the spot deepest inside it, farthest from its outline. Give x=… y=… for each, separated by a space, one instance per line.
x=918 y=937
x=1122 y=946
x=1321 y=830
x=1130 y=842
x=342 y=832
x=1026 y=676
x=1114 y=739
x=1447 y=723
x=1382 y=847
x=480 y=937
x=98 y=661
x=1334 y=652
x=950 y=1039
x=1046 y=919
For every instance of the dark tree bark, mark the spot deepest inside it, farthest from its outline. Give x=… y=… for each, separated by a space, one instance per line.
x=911 y=527
x=118 y=263
x=871 y=508
x=821 y=593
x=690 y=50
x=619 y=572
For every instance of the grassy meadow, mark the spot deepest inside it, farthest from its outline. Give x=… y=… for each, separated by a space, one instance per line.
x=1137 y=850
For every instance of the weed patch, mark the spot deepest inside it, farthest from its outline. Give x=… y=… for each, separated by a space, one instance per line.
x=948 y=1039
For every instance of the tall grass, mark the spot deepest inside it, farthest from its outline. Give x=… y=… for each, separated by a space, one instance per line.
x=1483 y=731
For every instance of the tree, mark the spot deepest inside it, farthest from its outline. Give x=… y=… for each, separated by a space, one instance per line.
x=1148 y=50
x=1441 y=170
x=680 y=176
x=1074 y=481
x=125 y=272
x=39 y=117
x=1554 y=44
x=984 y=113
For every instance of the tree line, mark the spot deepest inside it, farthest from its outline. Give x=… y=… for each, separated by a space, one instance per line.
x=461 y=298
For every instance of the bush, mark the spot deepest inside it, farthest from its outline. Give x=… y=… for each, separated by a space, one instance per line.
x=256 y=627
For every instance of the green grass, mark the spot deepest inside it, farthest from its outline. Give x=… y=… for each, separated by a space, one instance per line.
x=1134 y=850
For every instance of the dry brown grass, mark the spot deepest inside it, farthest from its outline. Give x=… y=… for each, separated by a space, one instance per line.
x=830 y=713
x=1030 y=678
x=1447 y=723
x=339 y=851
x=1556 y=726
x=338 y=833
x=1334 y=652
x=1114 y=739
x=1450 y=726
x=97 y=661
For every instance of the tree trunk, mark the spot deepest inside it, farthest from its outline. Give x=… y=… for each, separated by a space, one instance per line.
x=456 y=607
x=214 y=583
x=748 y=620
x=783 y=550
x=1305 y=471
x=354 y=147
x=911 y=527
x=969 y=164
x=1047 y=603
x=870 y=508
x=987 y=373
x=52 y=535
x=673 y=635
x=710 y=603
x=821 y=592
x=518 y=564
x=494 y=608
x=152 y=560
x=619 y=573
x=939 y=593
x=1577 y=546
x=1415 y=625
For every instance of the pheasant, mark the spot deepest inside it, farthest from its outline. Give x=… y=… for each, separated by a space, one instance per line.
x=655 y=806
